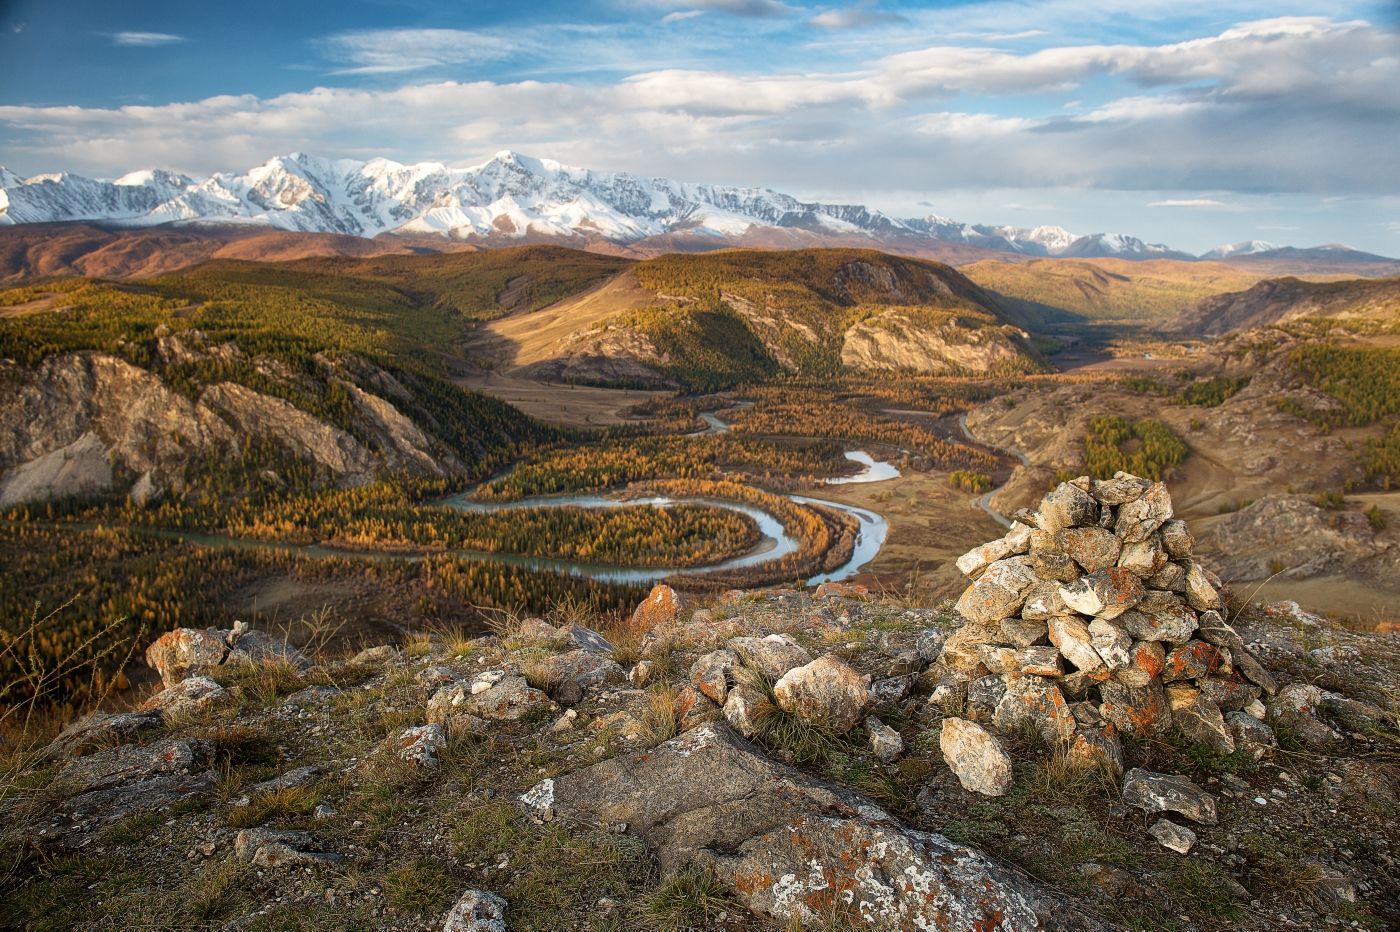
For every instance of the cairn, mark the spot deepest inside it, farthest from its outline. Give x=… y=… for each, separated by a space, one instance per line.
x=1091 y=619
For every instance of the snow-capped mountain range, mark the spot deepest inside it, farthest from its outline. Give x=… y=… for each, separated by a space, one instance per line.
x=509 y=196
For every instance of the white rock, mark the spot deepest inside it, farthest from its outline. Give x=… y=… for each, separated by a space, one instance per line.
x=1072 y=637
x=975 y=757
x=477 y=911
x=1178 y=838
x=885 y=743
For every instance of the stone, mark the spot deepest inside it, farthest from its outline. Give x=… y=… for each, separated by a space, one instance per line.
x=691 y=707
x=1086 y=714
x=1097 y=746
x=1054 y=565
x=383 y=653
x=1200 y=721
x=952 y=690
x=711 y=673
x=585 y=667
x=160 y=792
x=1043 y=602
x=908 y=662
x=1036 y=701
x=1354 y=713
x=785 y=844
x=1160 y=792
x=1065 y=507
x=1108 y=593
x=1254 y=671
x=976 y=560
x=827 y=690
x=999 y=659
x=292 y=779
x=1170 y=578
x=639 y=675
x=1175 y=837
x=129 y=763
x=1077 y=684
x=1295 y=709
x=565 y=723
x=659 y=609
x=998 y=592
x=1042 y=661
x=741 y=709
x=984 y=694
x=1144 y=558
x=101 y=729
x=1091 y=547
x=1213 y=629
x=1145 y=662
x=1229 y=695
x=254 y=648
x=772 y=656
x=507 y=699
x=1177 y=539
x=1199 y=592
x=1250 y=734
x=419 y=745
x=189 y=695
x=477 y=911
x=1071 y=636
x=1258 y=710
x=1111 y=642
x=1119 y=490
x=929 y=644
x=186 y=652
x=1180 y=695
x=976 y=757
x=1023 y=633
x=273 y=848
x=1194 y=660
x=885 y=742
x=960 y=650
x=892 y=689
x=585 y=638
x=1171 y=621
x=1136 y=520
x=434 y=676
x=537 y=629
x=1138 y=711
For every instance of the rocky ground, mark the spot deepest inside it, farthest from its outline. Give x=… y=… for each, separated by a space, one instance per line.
x=770 y=759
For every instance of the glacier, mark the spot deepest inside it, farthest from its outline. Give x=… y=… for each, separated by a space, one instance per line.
x=508 y=196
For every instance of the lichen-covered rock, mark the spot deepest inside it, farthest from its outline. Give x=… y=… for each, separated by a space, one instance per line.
x=188 y=695
x=1194 y=660
x=274 y=849
x=1201 y=721
x=1229 y=694
x=585 y=638
x=741 y=707
x=1071 y=637
x=252 y=647
x=1199 y=592
x=477 y=911
x=975 y=757
x=1140 y=712
x=1042 y=661
x=1296 y=709
x=892 y=688
x=1108 y=593
x=998 y=592
x=659 y=609
x=585 y=667
x=1160 y=792
x=1250 y=734
x=1019 y=633
x=1136 y=520
x=788 y=846
x=507 y=698
x=1035 y=700
x=827 y=690
x=186 y=652
x=129 y=763
x=1175 y=837
x=960 y=650
x=1043 y=602
x=1065 y=507
x=885 y=743
x=999 y=659
x=1176 y=537
x=711 y=673
x=1144 y=558
x=772 y=656
x=1160 y=616
x=1111 y=642
x=101 y=729
x=1119 y=490
x=1145 y=662
x=1091 y=547
x=419 y=745
x=1097 y=745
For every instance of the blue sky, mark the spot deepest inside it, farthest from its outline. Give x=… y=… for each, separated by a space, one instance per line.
x=1184 y=122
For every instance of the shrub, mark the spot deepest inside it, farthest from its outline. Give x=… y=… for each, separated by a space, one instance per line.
x=969 y=481
x=1159 y=449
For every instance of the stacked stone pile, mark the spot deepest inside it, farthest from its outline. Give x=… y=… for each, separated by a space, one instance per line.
x=1091 y=619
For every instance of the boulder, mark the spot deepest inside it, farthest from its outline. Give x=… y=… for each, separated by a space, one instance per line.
x=660 y=609
x=788 y=846
x=827 y=690
x=711 y=673
x=1042 y=661
x=998 y=593
x=1295 y=709
x=1145 y=662
x=585 y=639
x=1178 y=838
x=1228 y=694
x=999 y=659
x=186 y=652
x=1250 y=734
x=101 y=729
x=1043 y=602
x=741 y=707
x=248 y=646
x=1136 y=520
x=1020 y=633
x=892 y=689
x=1091 y=547
x=772 y=656
x=976 y=757
x=1037 y=701
x=1160 y=792
x=1119 y=490
x=885 y=743
x=1160 y=617
x=188 y=695
x=1111 y=642
x=1144 y=558
x=1177 y=539
x=1071 y=637
x=1108 y=593
x=1053 y=565
x=1138 y=711
x=1194 y=660
x=1065 y=507
x=477 y=911
x=129 y=763
x=1200 y=721
x=1170 y=578
x=585 y=667
x=929 y=644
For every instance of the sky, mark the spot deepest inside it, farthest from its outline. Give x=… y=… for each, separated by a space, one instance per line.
x=1182 y=122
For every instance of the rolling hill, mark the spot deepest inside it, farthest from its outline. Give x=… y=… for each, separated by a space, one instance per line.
x=1280 y=300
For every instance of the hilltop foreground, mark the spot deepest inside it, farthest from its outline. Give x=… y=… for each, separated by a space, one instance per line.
x=819 y=759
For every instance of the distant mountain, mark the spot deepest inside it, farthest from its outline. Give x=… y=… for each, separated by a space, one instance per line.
x=511 y=198
x=1279 y=300
x=1251 y=248
x=1332 y=259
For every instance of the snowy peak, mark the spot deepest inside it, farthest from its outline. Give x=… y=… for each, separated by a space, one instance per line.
x=509 y=196
x=1250 y=248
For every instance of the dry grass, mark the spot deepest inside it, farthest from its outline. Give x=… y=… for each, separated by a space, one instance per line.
x=288 y=803
x=659 y=722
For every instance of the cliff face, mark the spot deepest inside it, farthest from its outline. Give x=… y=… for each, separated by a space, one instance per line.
x=91 y=423
x=895 y=340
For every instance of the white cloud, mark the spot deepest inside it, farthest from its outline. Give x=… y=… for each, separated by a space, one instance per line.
x=1189 y=202
x=857 y=17
x=145 y=39
x=385 y=51
x=746 y=8
x=681 y=14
